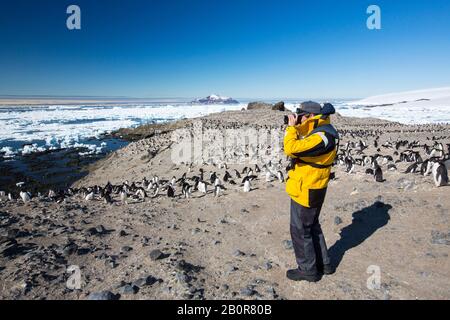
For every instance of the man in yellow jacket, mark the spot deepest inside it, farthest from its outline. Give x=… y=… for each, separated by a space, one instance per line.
x=311 y=142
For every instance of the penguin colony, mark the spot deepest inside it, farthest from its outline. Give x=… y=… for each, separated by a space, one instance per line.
x=361 y=151
x=189 y=185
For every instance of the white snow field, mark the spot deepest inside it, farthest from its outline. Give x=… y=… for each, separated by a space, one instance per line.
x=412 y=107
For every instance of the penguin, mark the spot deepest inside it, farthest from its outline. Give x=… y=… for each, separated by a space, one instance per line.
x=212 y=177
x=124 y=197
x=217 y=189
x=257 y=169
x=280 y=176
x=89 y=196
x=186 y=190
x=378 y=174
x=412 y=168
x=107 y=198
x=170 y=191
x=11 y=197
x=202 y=187
x=155 y=192
x=268 y=176
x=370 y=171
x=238 y=175
x=440 y=175
x=392 y=167
x=141 y=193
x=26 y=196
x=227 y=176
x=247 y=185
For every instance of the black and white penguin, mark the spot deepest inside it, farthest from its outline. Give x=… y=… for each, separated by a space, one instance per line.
x=124 y=196
x=378 y=174
x=227 y=176
x=170 y=191
x=186 y=190
x=440 y=174
x=217 y=189
x=280 y=176
x=26 y=196
x=247 y=184
x=90 y=196
x=202 y=187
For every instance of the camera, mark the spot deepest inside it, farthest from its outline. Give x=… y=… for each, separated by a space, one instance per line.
x=299 y=113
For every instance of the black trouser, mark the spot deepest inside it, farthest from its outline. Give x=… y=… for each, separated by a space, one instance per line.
x=307 y=238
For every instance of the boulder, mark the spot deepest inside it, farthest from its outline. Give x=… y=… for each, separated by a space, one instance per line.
x=259 y=106
x=279 y=106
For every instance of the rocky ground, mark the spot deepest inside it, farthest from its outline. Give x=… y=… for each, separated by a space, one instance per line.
x=236 y=245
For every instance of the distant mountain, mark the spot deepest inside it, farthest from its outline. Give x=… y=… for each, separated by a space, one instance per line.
x=215 y=99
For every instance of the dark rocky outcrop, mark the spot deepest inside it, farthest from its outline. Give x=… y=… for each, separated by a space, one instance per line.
x=279 y=106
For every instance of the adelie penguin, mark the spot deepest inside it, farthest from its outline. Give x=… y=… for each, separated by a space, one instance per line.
x=170 y=192
x=440 y=175
x=217 y=189
x=186 y=190
x=378 y=174
x=26 y=196
x=247 y=185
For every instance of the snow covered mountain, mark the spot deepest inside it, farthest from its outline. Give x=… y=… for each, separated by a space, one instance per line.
x=215 y=99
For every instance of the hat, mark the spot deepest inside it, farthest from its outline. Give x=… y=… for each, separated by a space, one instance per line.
x=309 y=107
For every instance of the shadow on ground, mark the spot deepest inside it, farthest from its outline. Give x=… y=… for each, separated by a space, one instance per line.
x=365 y=222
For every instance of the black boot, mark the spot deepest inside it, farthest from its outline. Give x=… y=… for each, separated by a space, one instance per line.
x=326 y=269
x=298 y=275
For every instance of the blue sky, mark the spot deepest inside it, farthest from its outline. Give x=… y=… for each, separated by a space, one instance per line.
x=241 y=48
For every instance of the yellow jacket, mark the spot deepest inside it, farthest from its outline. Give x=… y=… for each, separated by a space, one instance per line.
x=312 y=146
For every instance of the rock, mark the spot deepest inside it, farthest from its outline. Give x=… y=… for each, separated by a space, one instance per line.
x=70 y=249
x=440 y=237
x=126 y=249
x=128 y=289
x=102 y=295
x=279 y=106
x=156 y=255
x=337 y=220
x=247 y=292
x=145 y=281
x=99 y=230
x=267 y=266
x=259 y=106
x=122 y=233
x=288 y=244
x=238 y=253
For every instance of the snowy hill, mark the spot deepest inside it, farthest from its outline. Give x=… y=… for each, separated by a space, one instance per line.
x=412 y=107
x=419 y=97
x=215 y=99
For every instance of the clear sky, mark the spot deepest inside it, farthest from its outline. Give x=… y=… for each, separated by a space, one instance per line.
x=238 y=48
